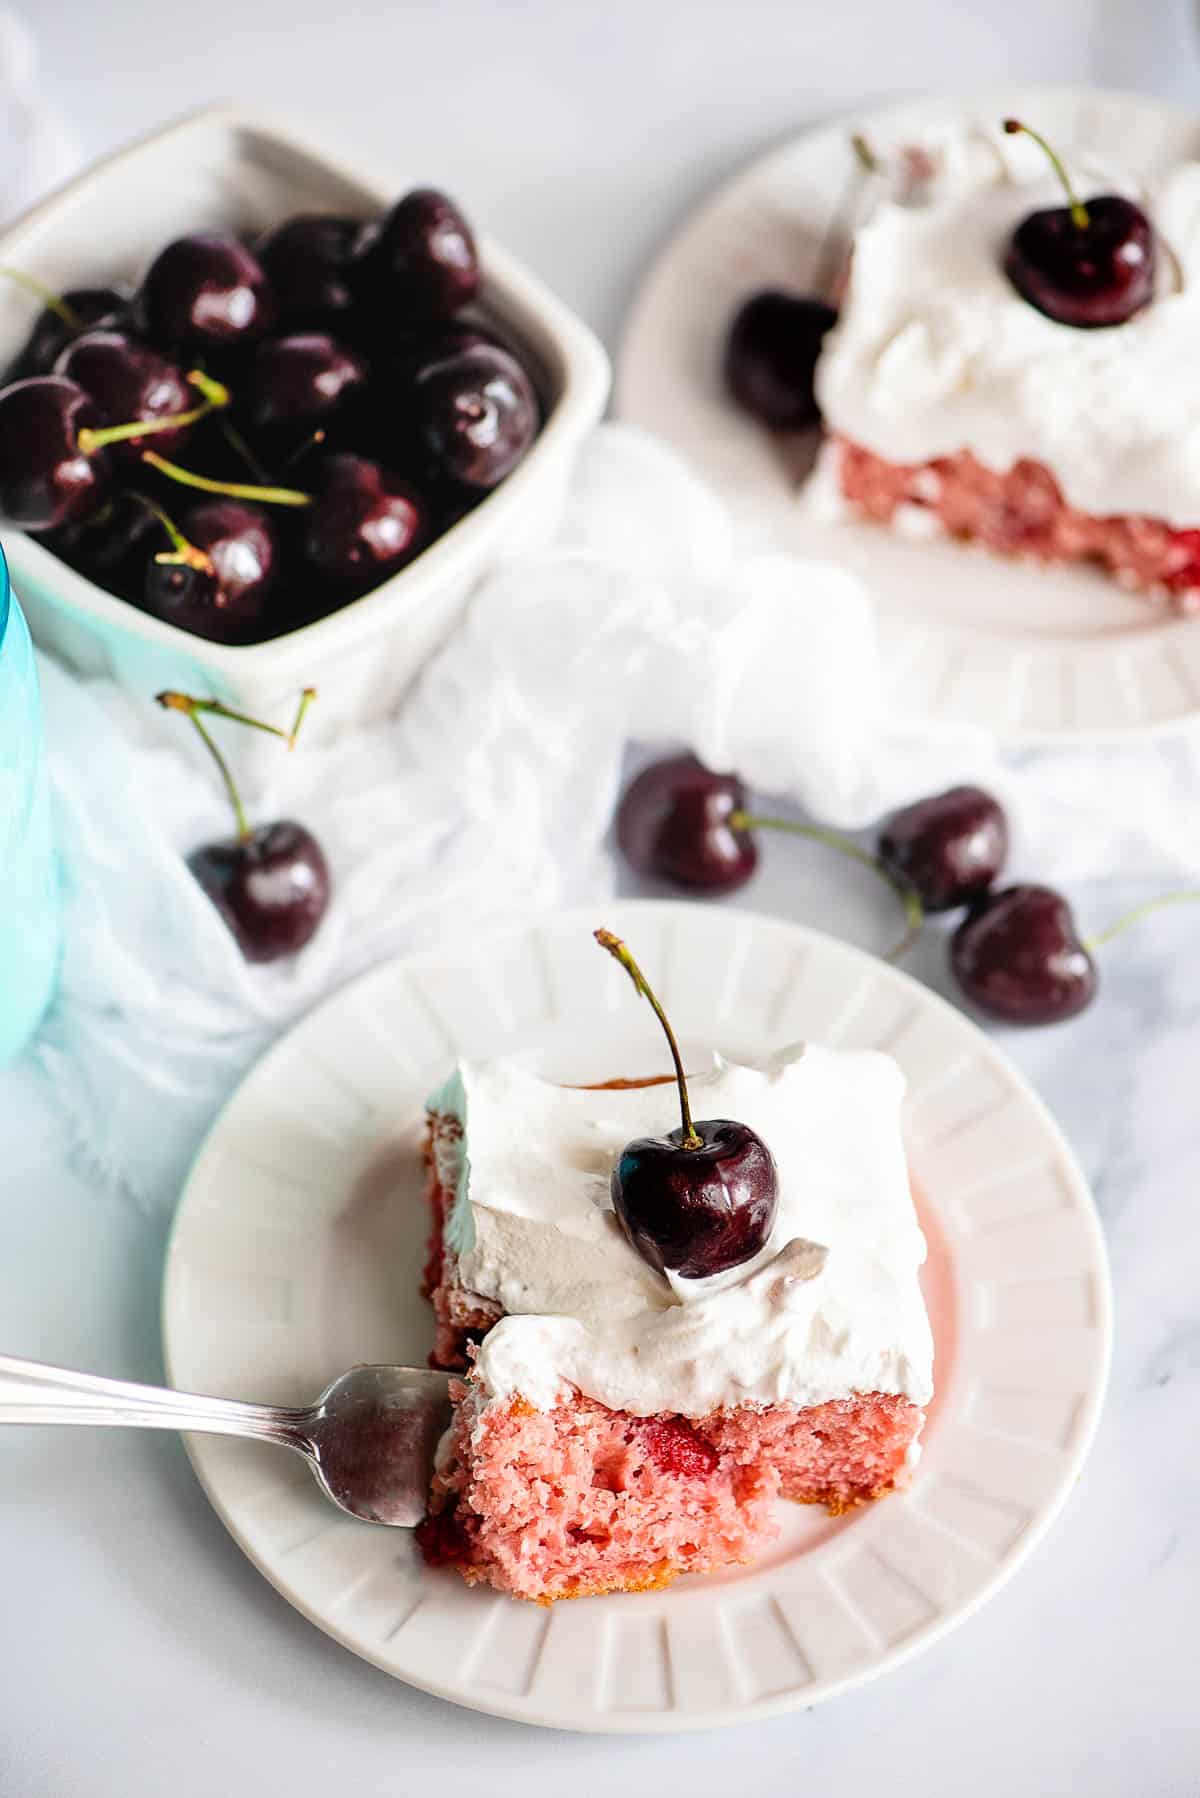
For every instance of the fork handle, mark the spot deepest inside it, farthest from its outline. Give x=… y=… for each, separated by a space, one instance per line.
x=34 y=1392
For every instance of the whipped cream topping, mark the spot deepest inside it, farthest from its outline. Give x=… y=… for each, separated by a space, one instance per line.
x=935 y=351
x=829 y=1307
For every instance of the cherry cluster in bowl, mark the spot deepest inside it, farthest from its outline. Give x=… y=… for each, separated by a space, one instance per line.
x=1015 y=954
x=264 y=431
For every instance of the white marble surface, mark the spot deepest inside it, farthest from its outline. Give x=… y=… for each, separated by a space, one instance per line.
x=139 y=1653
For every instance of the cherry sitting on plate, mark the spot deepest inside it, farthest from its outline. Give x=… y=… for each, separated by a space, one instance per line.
x=271 y=884
x=701 y=1199
x=950 y=847
x=1084 y=264
x=771 y=357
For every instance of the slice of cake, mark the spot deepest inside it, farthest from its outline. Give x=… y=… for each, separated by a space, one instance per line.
x=617 y=1425
x=955 y=403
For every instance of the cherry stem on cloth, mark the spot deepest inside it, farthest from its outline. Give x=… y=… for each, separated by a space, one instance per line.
x=616 y=948
x=1188 y=897
x=215 y=396
x=914 y=911
x=1079 y=212
x=192 y=708
x=268 y=496
x=53 y=302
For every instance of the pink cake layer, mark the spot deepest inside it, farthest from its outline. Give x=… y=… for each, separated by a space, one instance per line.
x=1023 y=513
x=581 y=1500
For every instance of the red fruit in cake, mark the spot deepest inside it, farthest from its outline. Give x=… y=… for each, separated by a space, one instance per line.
x=1018 y=957
x=949 y=848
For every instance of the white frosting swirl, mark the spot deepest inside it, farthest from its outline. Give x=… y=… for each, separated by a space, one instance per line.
x=831 y=1306
x=935 y=351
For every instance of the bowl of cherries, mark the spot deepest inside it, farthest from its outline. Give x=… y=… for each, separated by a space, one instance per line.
x=266 y=416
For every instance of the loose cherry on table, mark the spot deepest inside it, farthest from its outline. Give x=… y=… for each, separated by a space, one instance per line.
x=271 y=884
x=1084 y=264
x=950 y=848
x=682 y=822
x=1018 y=957
x=701 y=1199
x=206 y=291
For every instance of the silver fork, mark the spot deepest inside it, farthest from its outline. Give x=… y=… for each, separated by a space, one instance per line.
x=370 y=1437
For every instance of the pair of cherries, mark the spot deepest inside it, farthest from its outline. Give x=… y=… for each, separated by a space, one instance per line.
x=1085 y=264
x=1016 y=955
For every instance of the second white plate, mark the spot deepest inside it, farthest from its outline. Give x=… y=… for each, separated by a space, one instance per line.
x=1033 y=654
x=297 y=1252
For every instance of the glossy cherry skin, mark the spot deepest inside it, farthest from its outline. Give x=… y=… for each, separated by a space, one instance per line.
x=46 y=481
x=478 y=414
x=95 y=307
x=673 y=822
x=696 y=1212
x=271 y=889
x=422 y=262
x=129 y=382
x=1100 y=273
x=227 y=602
x=111 y=546
x=771 y=357
x=1018 y=957
x=949 y=848
x=364 y=524
x=206 y=291
x=300 y=381
x=309 y=261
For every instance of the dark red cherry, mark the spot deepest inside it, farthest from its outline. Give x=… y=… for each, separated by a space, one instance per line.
x=1018 y=957
x=674 y=822
x=111 y=545
x=364 y=524
x=300 y=381
x=422 y=262
x=1100 y=273
x=771 y=357
x=46 y=481
x=129 y=382
x=308 y=260
x=271 y=887
x=478 y=414
x=1087 y=263
x=949 y=848
x=224 y=601
x=96 y=308
x=696 y=1211
x=207 y=291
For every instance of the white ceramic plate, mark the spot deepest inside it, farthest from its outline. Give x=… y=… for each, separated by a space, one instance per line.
x=297 y=1252
x=1032 y=654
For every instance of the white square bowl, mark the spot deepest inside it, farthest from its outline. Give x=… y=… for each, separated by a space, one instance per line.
x=226 y=169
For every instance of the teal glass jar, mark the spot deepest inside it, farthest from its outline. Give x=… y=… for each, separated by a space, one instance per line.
x=29 y=899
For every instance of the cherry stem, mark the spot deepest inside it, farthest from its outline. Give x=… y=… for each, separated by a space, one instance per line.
x=267 y=496
x=303 y=449
x=53 y=302
x=616 y=948
x=831 y=255
x=97 y=437
x=181 y=551
x=914 y=911
x=240 y=447
x=1079 y=212
x=182 y=702
x=1187 y=897
x=306 y=699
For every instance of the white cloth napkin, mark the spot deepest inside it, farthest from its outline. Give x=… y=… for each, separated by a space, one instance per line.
x=37 y=146
x=491 y=792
